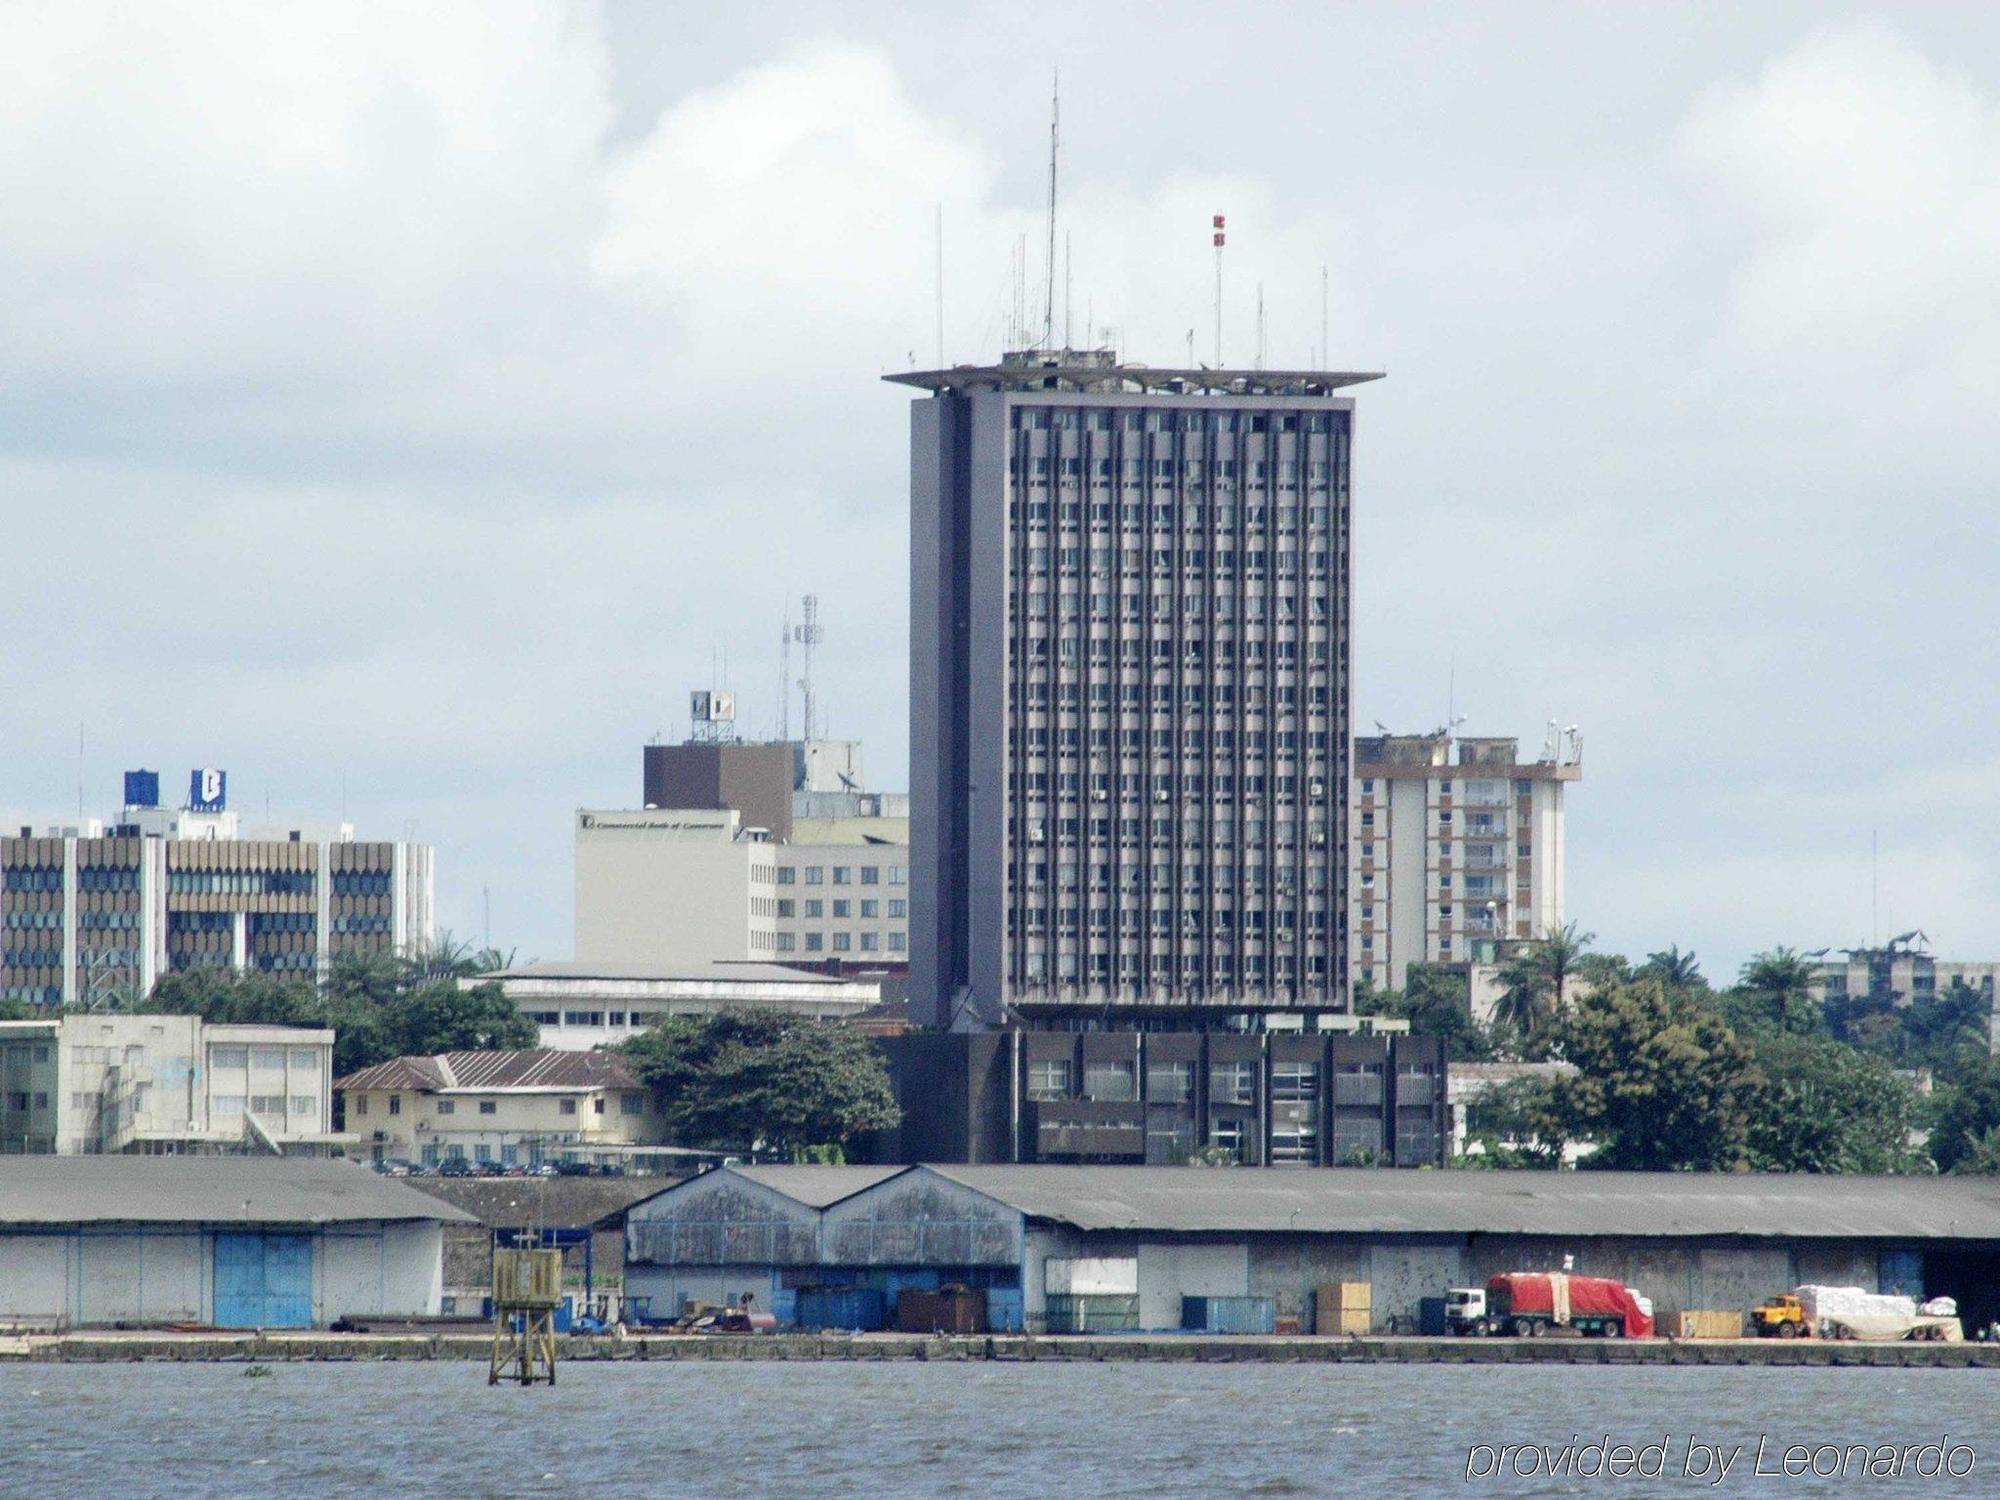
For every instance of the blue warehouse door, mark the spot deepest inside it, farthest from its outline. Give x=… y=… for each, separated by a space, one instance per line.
x=263 y=1280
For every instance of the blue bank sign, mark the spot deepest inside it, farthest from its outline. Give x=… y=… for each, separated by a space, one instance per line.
x=208 y=790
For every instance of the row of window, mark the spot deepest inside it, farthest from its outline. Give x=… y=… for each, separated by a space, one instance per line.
x=1163 y=419
x=629 y=1104
x=240 y=882
x=842 y=942
x=1043 y=967
x=1193 y=920
x=1257 y=609
x=844 y=875
x=1231 y=1083
x=814 y=907
x=1474 y=789
x=266 y=1106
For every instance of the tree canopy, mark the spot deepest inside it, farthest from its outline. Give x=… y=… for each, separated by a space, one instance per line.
x=1435 y=1000
x=379 y=1006
x=751 y=1079
x=1661 y=1085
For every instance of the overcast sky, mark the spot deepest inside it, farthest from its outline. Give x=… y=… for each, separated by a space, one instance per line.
x=404 y=407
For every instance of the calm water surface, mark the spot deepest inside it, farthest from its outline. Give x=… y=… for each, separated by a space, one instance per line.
x=945 y=1429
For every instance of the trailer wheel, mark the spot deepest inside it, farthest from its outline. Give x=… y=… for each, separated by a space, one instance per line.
x=1614 y=1329
x=1526 y=1328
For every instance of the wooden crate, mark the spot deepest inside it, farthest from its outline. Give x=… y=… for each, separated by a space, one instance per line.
x=1698 y=1323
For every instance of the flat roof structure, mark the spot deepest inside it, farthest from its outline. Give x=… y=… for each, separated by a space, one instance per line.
x=1098 y=372
x=222 y=1190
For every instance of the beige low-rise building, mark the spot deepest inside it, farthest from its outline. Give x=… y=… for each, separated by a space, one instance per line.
x=505 y=1109
x=81 y=1084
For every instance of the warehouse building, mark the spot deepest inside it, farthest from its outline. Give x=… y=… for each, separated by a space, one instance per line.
x=1687 y=1240
x=229 y=1242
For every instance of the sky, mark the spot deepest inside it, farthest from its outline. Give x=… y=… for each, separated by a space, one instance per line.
x=404 y=407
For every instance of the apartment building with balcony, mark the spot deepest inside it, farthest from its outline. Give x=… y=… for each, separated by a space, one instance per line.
x=1457 y=848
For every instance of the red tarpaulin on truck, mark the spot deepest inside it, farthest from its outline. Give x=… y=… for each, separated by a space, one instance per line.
x=1589 y=1296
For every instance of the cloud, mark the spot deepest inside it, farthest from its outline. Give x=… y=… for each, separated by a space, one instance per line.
x=394 y=410
x=1860 y=179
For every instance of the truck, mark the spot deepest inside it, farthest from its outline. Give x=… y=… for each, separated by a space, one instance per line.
x=1848 y=1312
x=1527 y=1304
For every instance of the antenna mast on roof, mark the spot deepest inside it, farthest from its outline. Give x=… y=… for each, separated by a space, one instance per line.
x=1220 y=236
x=785 y=668
x=1325 y=350
x=1049 y=283
x=809 y=634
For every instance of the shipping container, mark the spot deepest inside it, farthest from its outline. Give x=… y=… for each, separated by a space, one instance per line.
x=954 y=1309
x=863 y=1308
x=1092 y=1277
x=1229 y=1314
x=1070 y=1312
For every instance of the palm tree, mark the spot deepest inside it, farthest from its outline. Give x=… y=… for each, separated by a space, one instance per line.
x=1554 y=959
x=1781 y=979
x=1538 y=979
x=1674 y=969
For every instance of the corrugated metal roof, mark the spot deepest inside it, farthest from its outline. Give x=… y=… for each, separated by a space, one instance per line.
x=533 y=1067
x=1334 y=1200
x=205 y=1190
x=817 y=1186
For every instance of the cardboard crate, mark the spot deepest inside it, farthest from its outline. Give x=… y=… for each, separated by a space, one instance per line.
x=1698 y=1323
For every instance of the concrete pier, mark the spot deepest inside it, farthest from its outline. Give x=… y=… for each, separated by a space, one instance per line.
x=111 y=1347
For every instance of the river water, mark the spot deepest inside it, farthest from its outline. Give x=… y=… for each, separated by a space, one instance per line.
x=976 y=1429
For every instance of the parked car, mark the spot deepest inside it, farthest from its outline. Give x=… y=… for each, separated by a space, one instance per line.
x=456 y=1166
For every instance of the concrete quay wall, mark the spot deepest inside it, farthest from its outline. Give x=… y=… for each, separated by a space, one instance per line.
x=88 y=1347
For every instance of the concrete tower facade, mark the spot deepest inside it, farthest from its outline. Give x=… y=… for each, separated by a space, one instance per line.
x=1129 y=692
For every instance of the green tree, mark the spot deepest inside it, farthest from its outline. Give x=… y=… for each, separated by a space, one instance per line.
x=1515 y=1125
x=1673 y=968
x=753 y=1079
x=1538 y=982
x=1981 y=1157
x=378 y=1005
x=1778 y=983
x=1661 y=1085
x=445 y=1017
x=1436 y=1001
x=1966 y=1118
x=1823 y=1107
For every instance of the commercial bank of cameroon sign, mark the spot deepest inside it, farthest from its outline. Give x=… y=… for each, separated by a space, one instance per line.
x=208 y=790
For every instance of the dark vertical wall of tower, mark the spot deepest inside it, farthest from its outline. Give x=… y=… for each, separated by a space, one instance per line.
x=1129 y=697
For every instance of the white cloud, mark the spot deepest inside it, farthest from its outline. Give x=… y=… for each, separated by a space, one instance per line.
x=371 y=414
x=1861 y=178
